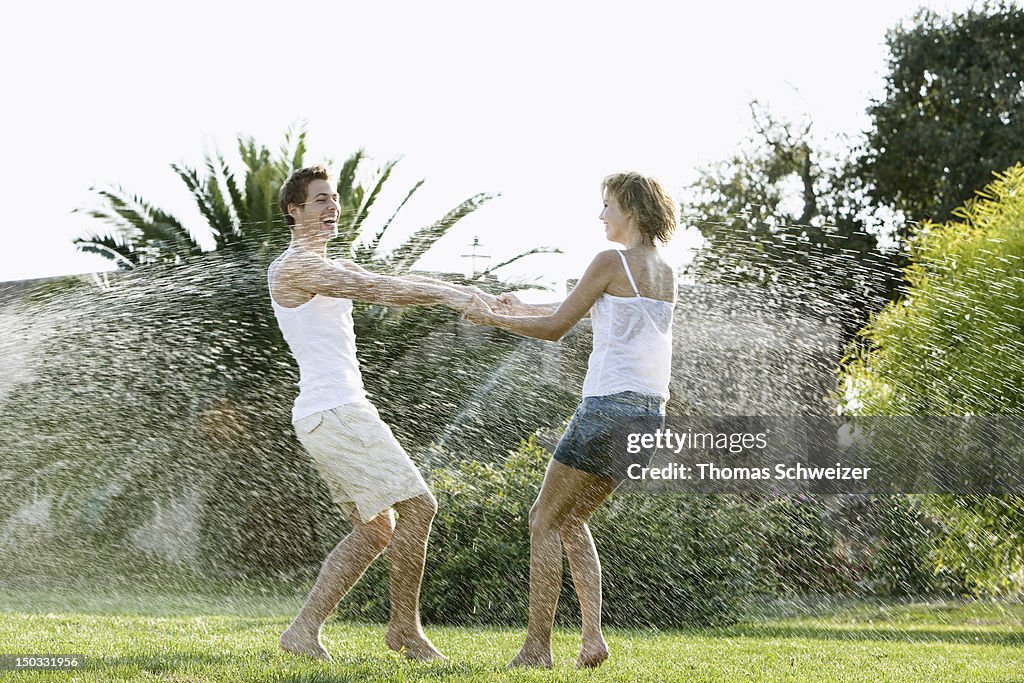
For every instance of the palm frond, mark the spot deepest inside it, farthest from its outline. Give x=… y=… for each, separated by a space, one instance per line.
x=531 y=252
x=265 y=218
x=139 y=226
x=350 y=194
x=350 y=200
x=108 y=247
x=375 y=242
x=518 y=286
x=128 y=210
x=383 y=173
x=263 y=180
x=293 y=154
x=211 y=213
x=122 y=231
x=403 y=257
x=263 y=227
x=238 y=204
x=254 y=156
x=226 y=222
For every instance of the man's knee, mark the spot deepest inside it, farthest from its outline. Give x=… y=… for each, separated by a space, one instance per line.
x=428 y=504
x=422 y=508
x=377 y=533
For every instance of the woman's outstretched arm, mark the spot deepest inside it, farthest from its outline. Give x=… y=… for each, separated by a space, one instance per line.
x=552 y=326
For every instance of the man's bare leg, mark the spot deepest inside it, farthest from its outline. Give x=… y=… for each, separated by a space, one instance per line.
x=406 y=557
x=339 y=573
x=586 y=574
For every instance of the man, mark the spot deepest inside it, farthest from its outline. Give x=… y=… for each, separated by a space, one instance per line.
x=367 y=472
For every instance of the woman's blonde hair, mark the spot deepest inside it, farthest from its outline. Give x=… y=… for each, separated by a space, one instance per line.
x=644 y=199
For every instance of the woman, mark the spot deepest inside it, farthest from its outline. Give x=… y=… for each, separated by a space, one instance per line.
x=629 y=295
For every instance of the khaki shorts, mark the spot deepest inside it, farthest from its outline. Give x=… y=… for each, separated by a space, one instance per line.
x=363 y=465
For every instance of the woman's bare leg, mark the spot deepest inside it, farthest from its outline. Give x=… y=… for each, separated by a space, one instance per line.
x=586 y=572
x=559 y=495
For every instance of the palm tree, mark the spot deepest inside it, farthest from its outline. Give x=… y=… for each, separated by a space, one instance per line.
x=248 y=229
x=141 y=234
x=247 y=218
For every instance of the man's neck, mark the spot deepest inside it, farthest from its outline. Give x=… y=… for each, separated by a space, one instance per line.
x=318 y=246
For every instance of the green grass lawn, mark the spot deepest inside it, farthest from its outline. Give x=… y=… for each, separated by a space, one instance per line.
x=233 y=637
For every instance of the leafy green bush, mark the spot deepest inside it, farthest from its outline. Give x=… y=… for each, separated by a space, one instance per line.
x=890 y=541
x=954 y=346
x=846 y=545
x=674 y=561
x=799 y=547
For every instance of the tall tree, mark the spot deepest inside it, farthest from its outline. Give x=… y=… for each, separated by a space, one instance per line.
x=237 y=217
x=248 y=230
x=952 y=112
x=783 y=215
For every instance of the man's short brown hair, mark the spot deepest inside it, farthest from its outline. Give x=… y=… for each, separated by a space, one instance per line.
x=295 y=188
x=643 y=199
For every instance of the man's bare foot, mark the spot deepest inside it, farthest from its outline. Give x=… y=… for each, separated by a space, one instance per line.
x=304 y=644
x=592 y=654
x=415 y=646
x=533 y=658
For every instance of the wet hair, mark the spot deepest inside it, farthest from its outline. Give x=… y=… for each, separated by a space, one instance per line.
x=643 y=199
x=294 y=189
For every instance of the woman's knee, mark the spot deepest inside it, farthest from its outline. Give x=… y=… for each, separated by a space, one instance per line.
x=573 y=530
x=542 y=520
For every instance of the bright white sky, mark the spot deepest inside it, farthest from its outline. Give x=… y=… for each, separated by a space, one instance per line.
x=534 y=100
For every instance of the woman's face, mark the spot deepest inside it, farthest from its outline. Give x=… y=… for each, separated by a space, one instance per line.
x=616 y=223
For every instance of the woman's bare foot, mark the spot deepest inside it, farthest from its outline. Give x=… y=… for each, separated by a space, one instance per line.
x=412 y=645
x=306 y=644
x=592 y=654
x=531 y=657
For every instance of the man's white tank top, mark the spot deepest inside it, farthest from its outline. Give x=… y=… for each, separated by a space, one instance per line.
x=321 y=336
x=632 y=344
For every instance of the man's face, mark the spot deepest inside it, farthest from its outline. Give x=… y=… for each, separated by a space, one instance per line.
x=319 y=213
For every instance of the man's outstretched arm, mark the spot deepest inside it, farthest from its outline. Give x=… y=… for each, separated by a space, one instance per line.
x=314 y=274
x=491 y=300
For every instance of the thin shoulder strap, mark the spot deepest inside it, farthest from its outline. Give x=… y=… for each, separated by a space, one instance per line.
x=625 y=265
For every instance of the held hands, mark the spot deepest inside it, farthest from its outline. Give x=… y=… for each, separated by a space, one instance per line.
x=459 y=300
x=478 y=312
x=489 y=299
x=461 y=297
x=508 y=304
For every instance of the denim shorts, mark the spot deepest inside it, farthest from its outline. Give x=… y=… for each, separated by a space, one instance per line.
x=589 y=444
